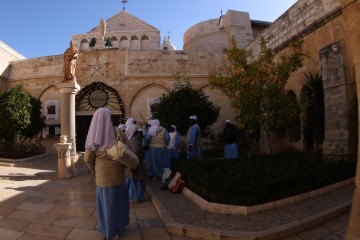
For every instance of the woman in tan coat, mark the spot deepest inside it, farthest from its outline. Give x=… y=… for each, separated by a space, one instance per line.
x=111 y=192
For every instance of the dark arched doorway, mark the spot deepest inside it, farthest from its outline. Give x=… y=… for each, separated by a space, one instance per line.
x=89 y=99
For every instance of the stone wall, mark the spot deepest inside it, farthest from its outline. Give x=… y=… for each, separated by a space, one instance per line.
x=303 y=18
x=137 y=76
x=320 y=24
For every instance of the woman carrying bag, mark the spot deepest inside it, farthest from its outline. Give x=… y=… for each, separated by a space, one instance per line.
x=111 y=192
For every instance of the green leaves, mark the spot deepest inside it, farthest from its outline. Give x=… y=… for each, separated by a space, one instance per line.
x=17 y=113
x=183 y=101
x=256 y=86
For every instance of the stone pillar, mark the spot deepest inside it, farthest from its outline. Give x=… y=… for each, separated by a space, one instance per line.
x=68 y=91
x=335 y=98
x=64 y=159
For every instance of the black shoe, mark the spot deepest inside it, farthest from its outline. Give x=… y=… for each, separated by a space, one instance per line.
x=158 y=178
x=151 y=177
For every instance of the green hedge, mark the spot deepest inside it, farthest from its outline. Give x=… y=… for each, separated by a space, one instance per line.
x=259 y=179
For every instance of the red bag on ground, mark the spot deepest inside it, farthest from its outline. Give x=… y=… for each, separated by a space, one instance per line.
x=174 y=179
x=178 y=186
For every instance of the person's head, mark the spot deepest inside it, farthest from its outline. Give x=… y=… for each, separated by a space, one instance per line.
x=227 y=123
x=148 y=124
x=155 y=122
x=193 y=119
x=72 y=44
x=101 y=133
x=131 y=129
x=172 y=128
x=130 y=121
x=140 y=132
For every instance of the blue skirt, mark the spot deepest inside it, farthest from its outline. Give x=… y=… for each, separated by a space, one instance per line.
x=231 y=151
x=194 y=154
x=156 y=159
x=113 y=209
x=170 y=155
x=136 y=189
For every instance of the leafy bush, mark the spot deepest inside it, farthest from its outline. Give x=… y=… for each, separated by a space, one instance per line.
x=260 y=179
x=183 y=101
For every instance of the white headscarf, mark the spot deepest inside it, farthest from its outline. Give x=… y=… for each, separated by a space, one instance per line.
x=194 y=117
x=154 y=126
x=130 y=121
x=175 y=130
x=130 y=130
x=101 y=131
x=122 y=127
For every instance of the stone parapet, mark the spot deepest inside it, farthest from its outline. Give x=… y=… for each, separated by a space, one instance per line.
x=302 y=18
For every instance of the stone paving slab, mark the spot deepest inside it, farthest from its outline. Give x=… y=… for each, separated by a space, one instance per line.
x=183 y=217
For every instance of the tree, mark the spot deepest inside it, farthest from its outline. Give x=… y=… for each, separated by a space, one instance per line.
x=178 y=105
x=37 y=120
x=256 y=86
x=314 y=128
x=20 y=115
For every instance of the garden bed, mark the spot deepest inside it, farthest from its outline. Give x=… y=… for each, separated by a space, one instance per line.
x=11 y=151
x=255 y=180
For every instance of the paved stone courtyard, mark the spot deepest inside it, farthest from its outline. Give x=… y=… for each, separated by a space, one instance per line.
x=36 y=205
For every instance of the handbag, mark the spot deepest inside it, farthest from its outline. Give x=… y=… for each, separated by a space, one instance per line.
x=174 y=179
x=178 y=186
x=121 y=152
x=117 y=148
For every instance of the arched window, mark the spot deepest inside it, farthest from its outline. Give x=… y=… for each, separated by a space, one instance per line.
x=124 y=42
x=92 y=42
x=134 y=43
x=84 y=44
x=144 y=45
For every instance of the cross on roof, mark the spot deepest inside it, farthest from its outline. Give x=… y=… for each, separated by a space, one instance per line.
x=124 y=2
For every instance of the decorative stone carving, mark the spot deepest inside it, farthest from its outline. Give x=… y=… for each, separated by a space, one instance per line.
x=63 y=139
x=64 y=160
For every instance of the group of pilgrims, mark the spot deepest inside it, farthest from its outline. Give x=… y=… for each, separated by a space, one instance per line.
x=118 y=183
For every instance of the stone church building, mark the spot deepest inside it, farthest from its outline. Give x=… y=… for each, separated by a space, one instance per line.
x=132 y=73
x=132 y=68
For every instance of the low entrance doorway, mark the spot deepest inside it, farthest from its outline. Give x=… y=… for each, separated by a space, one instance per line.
x=89 y=99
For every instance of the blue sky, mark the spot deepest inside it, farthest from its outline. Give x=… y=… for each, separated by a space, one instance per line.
x=37 y=28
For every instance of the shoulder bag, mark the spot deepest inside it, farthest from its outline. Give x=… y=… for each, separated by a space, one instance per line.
x=119 y=151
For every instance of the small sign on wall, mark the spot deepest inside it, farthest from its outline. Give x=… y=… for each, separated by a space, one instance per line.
x=51 y=110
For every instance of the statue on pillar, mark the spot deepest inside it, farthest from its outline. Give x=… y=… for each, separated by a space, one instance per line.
x=70 y=57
